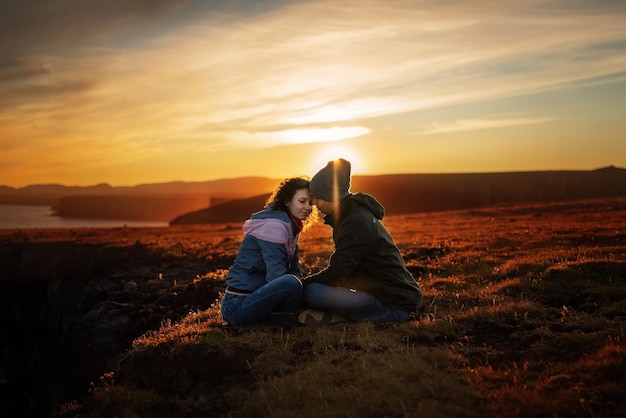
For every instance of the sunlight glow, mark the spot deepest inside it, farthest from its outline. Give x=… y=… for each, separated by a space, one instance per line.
x=294 y=136
x=303 y=136
x=334 y=152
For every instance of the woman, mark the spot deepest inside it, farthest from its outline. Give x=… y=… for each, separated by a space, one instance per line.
x=265 y=276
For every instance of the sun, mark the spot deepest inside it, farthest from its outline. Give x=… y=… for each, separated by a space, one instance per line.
x=333 y=152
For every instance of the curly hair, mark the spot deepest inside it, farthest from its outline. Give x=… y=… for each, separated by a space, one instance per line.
x=284 y=192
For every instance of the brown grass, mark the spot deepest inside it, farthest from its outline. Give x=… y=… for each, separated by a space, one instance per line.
x=523 y=316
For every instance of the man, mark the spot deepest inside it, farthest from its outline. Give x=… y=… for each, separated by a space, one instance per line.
x=366 y=278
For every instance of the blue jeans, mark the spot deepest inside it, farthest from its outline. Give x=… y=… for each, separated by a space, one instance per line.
x=352 y=304
x=281 y=294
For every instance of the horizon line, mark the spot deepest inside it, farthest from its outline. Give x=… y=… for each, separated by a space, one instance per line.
x=610 y=166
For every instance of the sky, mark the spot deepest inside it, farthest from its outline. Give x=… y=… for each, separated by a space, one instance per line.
x=129 y=92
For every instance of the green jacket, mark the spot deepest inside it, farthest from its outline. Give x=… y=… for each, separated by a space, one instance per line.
x=366 y=257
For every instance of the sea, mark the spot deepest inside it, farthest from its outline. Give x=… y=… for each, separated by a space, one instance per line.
x=27 y=216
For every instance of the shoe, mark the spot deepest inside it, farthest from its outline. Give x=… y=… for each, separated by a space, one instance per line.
x=316 y=318
x=283 y=319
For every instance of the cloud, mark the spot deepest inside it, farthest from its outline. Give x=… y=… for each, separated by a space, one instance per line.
x=491 y=122
x=296 y=136
x=382 y=59
x=22 y=72
x=33 y=25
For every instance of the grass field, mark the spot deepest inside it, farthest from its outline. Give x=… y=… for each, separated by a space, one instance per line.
x=523 y=316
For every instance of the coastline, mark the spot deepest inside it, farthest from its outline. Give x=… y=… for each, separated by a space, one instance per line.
x=14 y=216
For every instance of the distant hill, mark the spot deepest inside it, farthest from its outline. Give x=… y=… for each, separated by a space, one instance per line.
x=432 y=192
x=152 y=208
x=232 y=211
x=50 y=194
x=233 y=200
x=147 y=202
x=414 y=193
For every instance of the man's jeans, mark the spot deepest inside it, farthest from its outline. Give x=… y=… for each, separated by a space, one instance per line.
x=349 y=303
x=281 y=294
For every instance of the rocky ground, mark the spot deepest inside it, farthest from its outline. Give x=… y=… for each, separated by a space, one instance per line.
x=74 y=300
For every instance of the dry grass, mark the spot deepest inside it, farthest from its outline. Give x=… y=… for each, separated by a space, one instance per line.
x=523 y=316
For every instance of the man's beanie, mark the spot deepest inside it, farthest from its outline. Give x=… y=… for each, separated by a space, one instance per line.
x=332 y=182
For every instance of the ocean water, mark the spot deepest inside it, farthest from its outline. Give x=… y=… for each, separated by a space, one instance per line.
x=26 y=216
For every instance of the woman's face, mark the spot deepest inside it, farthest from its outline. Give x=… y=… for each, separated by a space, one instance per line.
x=300 y=204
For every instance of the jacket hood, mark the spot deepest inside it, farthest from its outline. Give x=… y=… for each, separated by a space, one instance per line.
x=271 y=213
x=272 y=226
x=369 y=202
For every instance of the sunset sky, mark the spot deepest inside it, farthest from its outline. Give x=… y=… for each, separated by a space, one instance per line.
x=146 y=91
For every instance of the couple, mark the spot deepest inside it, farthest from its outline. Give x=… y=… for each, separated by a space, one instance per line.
x=365 y=280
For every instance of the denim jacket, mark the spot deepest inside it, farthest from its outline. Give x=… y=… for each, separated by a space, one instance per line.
x=269 y=250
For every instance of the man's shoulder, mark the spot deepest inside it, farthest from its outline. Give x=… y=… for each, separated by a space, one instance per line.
x=359 y=216
x=366 y=204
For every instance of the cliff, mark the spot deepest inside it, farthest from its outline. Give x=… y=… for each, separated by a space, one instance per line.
x=145 y=208
x=236 y=210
